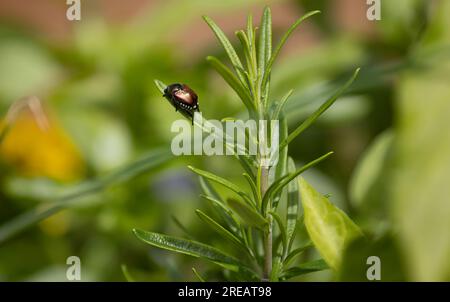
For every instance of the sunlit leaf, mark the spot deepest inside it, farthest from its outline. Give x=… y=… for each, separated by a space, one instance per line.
x=329 y=228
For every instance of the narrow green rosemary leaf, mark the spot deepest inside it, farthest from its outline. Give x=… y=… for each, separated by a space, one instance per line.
x=160 y=85
x=231 y=52
x=232 y=80
x=220 y=229
x=255 y=191
x=265 y=40
x=280 y=104
x=281 y=44
x=200 y=278
x=126 y=273
x=312 y=118
x=180 y=225
x=250 y=29
x=222 y=209
x=282 y=230
x=248 y=215
x=305 y=268
x=298 y=251
x=280 y=183
x=293 y=200
x=247 y=52
x=222 y=181
x=189 y=247
x=209 y=190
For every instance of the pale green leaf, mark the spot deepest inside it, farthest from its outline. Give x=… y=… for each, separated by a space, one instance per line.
x=329 y=228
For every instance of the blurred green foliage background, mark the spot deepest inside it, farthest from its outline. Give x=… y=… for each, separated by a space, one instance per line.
x=390 y=133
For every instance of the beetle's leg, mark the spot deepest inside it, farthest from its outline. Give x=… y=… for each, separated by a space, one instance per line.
x=175 y=104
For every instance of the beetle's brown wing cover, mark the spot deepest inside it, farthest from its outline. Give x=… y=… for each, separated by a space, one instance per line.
x=186 y=95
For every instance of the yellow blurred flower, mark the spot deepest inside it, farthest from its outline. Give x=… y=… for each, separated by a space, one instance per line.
x=34 y=151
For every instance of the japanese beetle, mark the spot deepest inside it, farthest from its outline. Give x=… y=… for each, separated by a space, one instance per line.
x=183 y=98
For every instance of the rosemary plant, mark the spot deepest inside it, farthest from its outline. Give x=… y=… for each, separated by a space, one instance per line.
x=252 y=222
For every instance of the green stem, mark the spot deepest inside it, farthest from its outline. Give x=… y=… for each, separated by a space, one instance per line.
x=268 y=234
x=264 y=185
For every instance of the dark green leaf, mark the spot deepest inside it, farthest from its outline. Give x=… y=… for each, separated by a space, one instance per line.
x=220 y=229
x=222 y=181
x=294 y=253
x=305 y=268
x=282 y=230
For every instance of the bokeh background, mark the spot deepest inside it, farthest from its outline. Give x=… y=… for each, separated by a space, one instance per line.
x=94 y=77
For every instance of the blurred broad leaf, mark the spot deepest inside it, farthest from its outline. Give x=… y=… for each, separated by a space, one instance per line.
x=25 y=68
x=420 y=196
x=70 y=198
x=330 y=229
x=370 y=178
x=355 y=260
